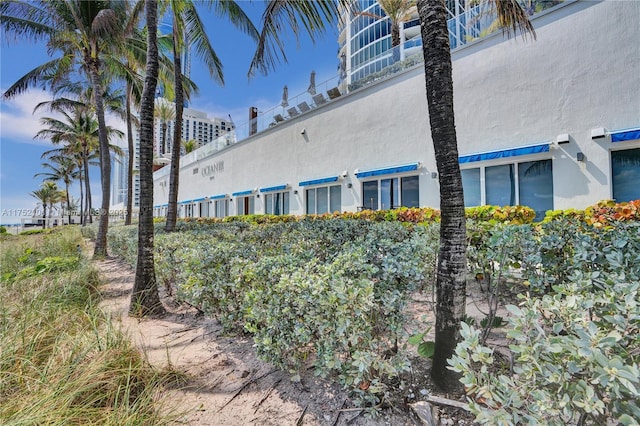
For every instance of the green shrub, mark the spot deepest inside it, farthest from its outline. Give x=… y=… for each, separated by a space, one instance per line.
x=576 y=350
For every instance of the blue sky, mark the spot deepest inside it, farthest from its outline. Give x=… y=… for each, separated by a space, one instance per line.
x=20 y=153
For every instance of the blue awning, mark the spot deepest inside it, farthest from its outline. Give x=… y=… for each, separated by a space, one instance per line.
x=513 y=152
x=273 y=188
x=195 y=200
x=318 y=181
x=388 y=170
x=184 y=202
x=247 y=192
x=625 y=135
x=218 y=197
x=165 y=205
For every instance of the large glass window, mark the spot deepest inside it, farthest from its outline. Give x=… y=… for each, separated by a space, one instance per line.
x=500 y=185
x=535 y=186
x=528 y=183
x=221 y=208
x=276 y=203
x=471 y=185
x=625 y=174
x=245 y=205
x=391 y=193
x=324 y=199
x=410 y=191
x=370 y=195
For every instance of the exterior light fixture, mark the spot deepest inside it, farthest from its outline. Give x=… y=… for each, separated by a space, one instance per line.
x=295 y=191
x=598 y=133
x=563 y=138
x=434 y=175
x=349 y=185
x=580 y=156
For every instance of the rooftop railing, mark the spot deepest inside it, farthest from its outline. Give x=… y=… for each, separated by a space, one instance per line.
x=466 y=27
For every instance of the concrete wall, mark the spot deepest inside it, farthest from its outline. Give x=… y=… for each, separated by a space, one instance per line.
x=582 y=72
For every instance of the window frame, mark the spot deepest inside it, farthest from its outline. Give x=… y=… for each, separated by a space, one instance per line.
x=395 y=191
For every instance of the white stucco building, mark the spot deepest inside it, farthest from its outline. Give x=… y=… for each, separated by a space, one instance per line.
x=552 y=123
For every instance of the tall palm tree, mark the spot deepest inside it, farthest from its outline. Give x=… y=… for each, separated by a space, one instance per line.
x=144 y=298
x=86 y=33
x=62 y=168
x=189 y=28
x=78 y=132
x=165 y=112
x=48 y=194
x=451 y=271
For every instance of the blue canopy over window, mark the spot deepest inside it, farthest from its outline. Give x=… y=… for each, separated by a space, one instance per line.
x=185 y=202
x=218 y=197
x=197 y=199
x=274 y=188
x=512 y=152
x=388 y=170
x=625 y=135
x=247 y=192
x=318 y=181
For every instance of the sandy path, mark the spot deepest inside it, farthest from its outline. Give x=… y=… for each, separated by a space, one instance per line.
x=218 y=366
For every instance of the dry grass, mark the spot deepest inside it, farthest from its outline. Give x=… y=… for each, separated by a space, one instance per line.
x=61 y=360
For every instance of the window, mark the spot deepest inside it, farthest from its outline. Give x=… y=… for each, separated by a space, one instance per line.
x=203 y=209
x=221 y=208
x=500 y=185
x=324 y=199
x=528 y=183
x=391 y=193
x=276 y=203
x=471 y=185
x=625 y=174
x=245 y=205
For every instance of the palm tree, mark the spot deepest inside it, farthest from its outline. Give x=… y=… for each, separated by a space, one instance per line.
x=188 y=28
x=144 y=298
x=451 y=272
x=78 y=131
x=398 y=12
x=86 y=33
x=63 y=169
x=48 y=194
x=165 y=112
x=189 y=145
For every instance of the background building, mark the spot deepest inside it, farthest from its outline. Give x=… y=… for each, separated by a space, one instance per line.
x=196 y=125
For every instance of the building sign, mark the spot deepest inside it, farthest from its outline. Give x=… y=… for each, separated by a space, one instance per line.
x=211 y=170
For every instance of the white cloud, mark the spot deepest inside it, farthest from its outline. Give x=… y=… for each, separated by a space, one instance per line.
x=17 y=120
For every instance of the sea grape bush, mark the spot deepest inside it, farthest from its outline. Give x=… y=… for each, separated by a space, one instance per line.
x=330 y=291
x=576 y=350
x=326 y=293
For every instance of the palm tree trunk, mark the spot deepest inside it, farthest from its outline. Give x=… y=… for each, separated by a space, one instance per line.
x=87 y=187
x=131 y=156
x=44 y=215
x=100 y=249
x=163 y=146
x=172 y=211
x=451 y=273
x=66 y=190
x=144 y=298
x=81 y=179
x=395 y=41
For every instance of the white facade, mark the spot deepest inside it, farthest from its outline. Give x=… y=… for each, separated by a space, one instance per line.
x=579 y=77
